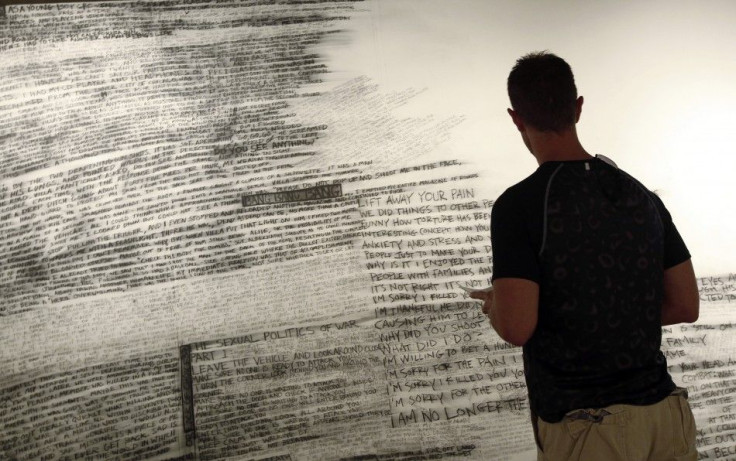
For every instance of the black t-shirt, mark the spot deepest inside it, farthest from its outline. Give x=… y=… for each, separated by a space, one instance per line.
x=597 y=243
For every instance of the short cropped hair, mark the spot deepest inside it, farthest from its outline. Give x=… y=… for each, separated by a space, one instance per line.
x=542 y=91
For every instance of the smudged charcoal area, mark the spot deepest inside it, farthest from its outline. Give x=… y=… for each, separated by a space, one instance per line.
x=117 y=410
x=130 y=131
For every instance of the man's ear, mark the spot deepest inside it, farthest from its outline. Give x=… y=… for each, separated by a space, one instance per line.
x=516 y=119
x=578 y=108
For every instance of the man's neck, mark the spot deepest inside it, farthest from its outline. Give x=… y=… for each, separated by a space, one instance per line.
x=551 y=146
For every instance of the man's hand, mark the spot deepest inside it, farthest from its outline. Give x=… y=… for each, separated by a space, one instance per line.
x=486 y=296
x=512 y=307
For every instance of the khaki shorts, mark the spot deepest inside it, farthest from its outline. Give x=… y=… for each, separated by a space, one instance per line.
x=664 y=431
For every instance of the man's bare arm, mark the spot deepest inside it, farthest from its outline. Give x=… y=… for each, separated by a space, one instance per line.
x=681 y=298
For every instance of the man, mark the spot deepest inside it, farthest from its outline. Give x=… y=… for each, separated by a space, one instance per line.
x=587 y=267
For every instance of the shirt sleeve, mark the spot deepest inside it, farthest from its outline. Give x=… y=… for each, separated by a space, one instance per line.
x=513 y=250
x=675 y=250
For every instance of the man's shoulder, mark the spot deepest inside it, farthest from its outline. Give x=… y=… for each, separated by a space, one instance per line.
x=529 y=187
x=523 y=198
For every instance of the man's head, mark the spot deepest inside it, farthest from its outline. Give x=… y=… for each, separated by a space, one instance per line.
x=543 y=94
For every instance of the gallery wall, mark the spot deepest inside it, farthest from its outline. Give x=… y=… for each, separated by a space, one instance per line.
x=239 y=229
